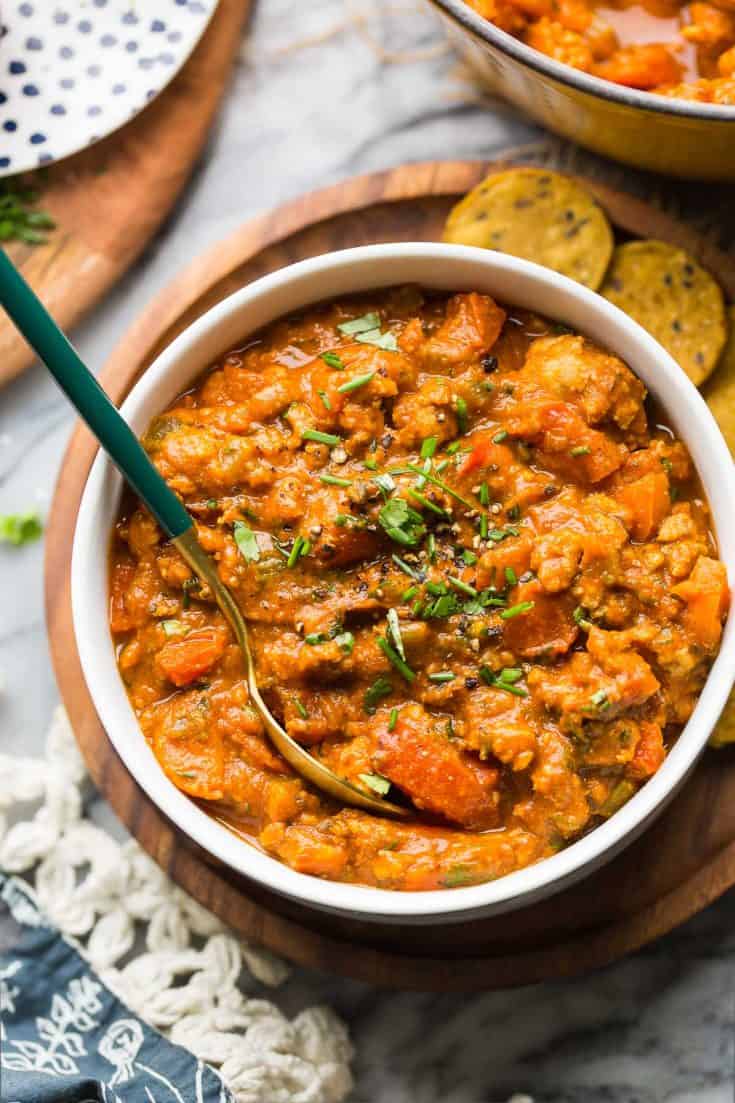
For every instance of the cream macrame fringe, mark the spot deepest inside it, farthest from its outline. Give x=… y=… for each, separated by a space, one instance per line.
x=167 y=958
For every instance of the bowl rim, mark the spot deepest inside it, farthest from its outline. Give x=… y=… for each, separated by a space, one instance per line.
x=472 y=22
x=95 y=645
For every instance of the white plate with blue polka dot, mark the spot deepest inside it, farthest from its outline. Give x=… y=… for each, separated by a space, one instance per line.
x=72 y=71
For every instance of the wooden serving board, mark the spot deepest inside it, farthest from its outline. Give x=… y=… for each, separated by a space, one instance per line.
x=680 y=864
x=108 y=201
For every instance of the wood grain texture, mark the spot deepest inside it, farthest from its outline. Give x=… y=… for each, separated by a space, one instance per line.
x=109 y=200
x=683 y=862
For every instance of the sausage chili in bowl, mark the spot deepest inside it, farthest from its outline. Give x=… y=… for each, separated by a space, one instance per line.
x=479 y=575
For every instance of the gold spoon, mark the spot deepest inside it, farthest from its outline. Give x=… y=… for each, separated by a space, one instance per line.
x=303 y=763
x=125 y=450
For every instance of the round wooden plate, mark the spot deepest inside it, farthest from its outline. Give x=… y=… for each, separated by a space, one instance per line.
x=684 y=861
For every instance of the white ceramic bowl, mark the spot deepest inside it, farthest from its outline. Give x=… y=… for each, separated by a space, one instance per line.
x=446 y=267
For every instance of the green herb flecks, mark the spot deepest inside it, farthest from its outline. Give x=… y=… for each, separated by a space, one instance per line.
x=401 y=523
x=393 y=657
x=376 y=782
x=394 y=628
x=334 y=480
x=333 y=360
x=173 y=628
x=20 y=528
x=407 y=568
x=20 y=220
x=246 y=541
x=330 y=439
x=374 y=694
x=440 y=483
x=300 y=548
x=356 y=382
x=363 y=324
x=518 y=610
x=505 y=679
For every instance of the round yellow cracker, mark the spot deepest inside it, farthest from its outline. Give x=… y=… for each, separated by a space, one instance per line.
x=720 y=389
x=674 y=298
x=539 y=215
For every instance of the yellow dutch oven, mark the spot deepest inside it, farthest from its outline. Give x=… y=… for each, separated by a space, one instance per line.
x=678 y=137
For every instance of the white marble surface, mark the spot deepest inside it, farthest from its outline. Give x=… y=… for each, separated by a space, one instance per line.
x=313 y=101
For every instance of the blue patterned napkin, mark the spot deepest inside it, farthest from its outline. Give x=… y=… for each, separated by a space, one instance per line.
x=65 y=1038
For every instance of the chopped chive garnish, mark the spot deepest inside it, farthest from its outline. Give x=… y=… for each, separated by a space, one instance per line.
x=300 y=708
x=325 y=399
x=599 y=700
x=580 y=450
x=505 y=680
x=417 y=607
x=401 y=563
x=497 y=535
x=393 y=657
x=360 y=325
x=316 y=637
x=370 y=463
x=500 y=437
x=469 y=557
x=246 y=541
x=394 y=628
x=427 y=503
x=461 y=410
x=393 y=719
x=463 y=587
x=453 y=447
x=333 y=360
x=425 y=469
x=442 y=676
x=442 y=466
x=431 y=547
x=356 y=382
x=440 y=483
x=300 y=547
x=436 y=588
x=484 y=526
x=409 y=594
x=381 y=687
x=484 y=494
x=211 y=503
x=510 y=576
x=321 y=438
x=334 y=480
x=517 y=610
x=342 y=520
x=376 y=782
x=428 y=447
x=581 y=617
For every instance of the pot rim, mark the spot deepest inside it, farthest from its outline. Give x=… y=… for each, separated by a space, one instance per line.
x=488 y=33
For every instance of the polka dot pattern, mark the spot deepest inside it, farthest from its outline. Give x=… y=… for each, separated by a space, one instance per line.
x=69 y=78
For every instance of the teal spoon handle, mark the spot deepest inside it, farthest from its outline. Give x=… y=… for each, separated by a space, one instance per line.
x=84 y=392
